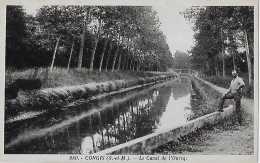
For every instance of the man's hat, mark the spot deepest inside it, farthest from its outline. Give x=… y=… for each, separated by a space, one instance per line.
x=234 y=71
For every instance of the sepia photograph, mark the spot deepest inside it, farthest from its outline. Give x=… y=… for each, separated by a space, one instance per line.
x=130 y=82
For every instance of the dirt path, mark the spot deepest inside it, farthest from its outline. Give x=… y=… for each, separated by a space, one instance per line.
x=235 y=139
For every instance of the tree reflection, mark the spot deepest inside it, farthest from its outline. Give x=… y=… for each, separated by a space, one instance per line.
x=126 y=118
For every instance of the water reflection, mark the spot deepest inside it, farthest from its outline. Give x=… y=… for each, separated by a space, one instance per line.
x=95 y=126
x=176 y=112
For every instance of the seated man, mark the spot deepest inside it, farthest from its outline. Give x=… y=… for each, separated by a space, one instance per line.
x=234 y=92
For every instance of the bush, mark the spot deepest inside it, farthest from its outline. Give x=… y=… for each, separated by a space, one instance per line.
x=28 y=84
x=11 y=92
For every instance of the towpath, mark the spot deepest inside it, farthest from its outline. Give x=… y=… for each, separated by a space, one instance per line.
x=233 y=140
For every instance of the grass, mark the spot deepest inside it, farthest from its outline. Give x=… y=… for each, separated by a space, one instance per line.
x=225 y=83
x=209 y=97
x=61 y=77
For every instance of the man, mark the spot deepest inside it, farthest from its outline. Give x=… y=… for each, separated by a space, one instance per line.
x=234 y=92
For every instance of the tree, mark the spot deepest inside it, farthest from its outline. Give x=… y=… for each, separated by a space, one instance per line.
x=108 y=54
x=181 y=60
x=116 y=53
x=245 y=17
x=84 y=28
x=53 y=22
x=99 y=12
x=16 y=33
x=70 y=55
x=218 y=30
x=54 y=54
x=103 y=53
x=130 y=35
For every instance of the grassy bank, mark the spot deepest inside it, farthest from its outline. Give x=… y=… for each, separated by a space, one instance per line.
x=61 y=77
x=209 y=97
x=88 y=85
x=225 y=83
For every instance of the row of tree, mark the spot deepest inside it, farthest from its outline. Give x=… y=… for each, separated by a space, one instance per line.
x=224 y=38
x=96 y=37
x=181 y=60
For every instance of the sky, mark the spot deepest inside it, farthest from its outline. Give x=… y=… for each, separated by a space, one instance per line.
x=31 y=6
x=177 y=30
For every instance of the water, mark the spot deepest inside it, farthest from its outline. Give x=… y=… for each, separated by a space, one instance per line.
x=87 y=128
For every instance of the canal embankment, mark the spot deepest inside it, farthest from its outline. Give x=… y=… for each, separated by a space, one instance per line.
x=61 y=77
x=60 y=96
x=209 y=97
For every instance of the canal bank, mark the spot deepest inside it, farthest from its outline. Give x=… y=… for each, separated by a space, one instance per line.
x=60 y=96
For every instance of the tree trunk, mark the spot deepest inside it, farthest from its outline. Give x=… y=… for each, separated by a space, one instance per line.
x=124 y=62
x=137 y=64
x=224 y=67
x=93 y=54
x=114 y=59
x=133 y=66
x=102 y=55
x=217 y=70
x=250 y=36
x=127 y=54
x=250 y=79
x=131 y=63
x=123 y=65
x=115 y=56
x=216 y=66
x=119 y=59
x=127 y=63
x=223 y=54
x=70 y=56
x=95 y=46
x=108 y=55
x=81 y=48
x=233 y=57
x=82 y=42
x=120 y=56
x=54 y=54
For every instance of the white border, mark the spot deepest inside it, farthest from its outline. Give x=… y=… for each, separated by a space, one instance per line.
x=162 y=3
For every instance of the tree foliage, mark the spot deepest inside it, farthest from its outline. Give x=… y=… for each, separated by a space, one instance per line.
x=181 y=60
x=124 y=37
x=220 y=38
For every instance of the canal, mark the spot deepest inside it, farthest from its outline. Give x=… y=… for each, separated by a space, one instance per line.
x=89 y=127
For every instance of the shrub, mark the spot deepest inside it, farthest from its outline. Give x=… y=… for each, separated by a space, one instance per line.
x=28 y=84
x=11 y=92
x=112 y=86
